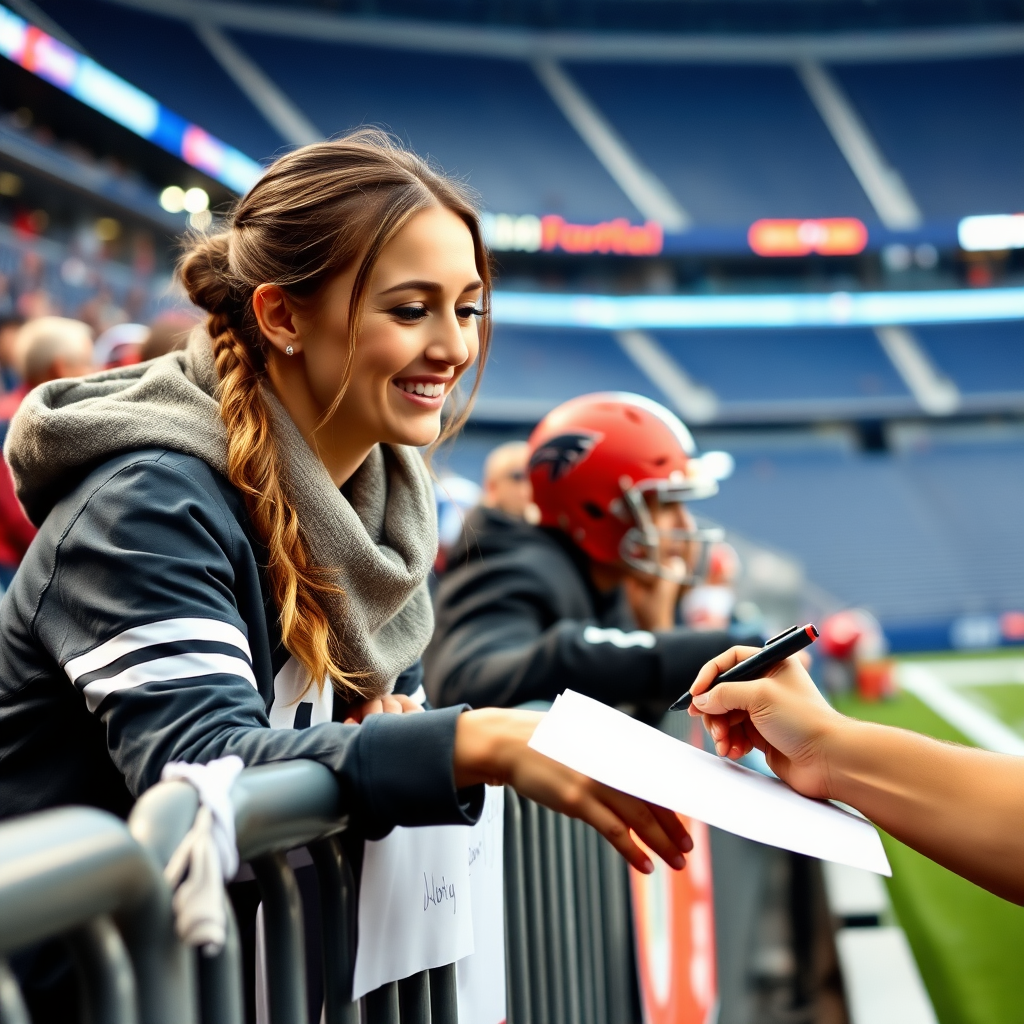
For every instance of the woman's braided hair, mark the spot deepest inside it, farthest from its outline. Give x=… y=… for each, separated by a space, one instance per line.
x=313 y=215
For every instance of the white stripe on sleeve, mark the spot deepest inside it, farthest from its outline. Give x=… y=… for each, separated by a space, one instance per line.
x=179 y=666
x=162 y=632
x=637 y=638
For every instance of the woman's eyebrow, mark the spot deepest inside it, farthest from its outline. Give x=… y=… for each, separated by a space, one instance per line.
x=427 y=286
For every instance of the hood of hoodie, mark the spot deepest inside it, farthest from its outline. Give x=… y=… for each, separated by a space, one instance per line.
x=380 y=540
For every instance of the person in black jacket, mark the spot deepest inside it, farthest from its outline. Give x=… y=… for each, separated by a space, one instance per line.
x=586 y=600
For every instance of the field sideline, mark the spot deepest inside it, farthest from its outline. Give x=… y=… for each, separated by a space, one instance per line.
x=967 y=942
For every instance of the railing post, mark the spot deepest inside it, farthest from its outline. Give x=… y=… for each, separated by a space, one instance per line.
x=104 y=970
x=338 y=922
x=12 y=1006
x=592 y=850
x=517 y=947
x=414 y=999
x=584 y=921
x=220 y=978
x=542 y=998
x=570 y=933
x=165 y=969
x=444 y=995
x=284 y=939
x=382 y=1005
x=618 y=952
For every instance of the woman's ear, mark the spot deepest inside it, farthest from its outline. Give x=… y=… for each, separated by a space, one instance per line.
x=274 y=315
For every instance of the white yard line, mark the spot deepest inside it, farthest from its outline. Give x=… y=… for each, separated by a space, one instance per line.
x=976 y=672
x=975 y=723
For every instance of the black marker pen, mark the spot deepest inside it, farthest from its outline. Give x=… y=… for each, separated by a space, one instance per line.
x=779 y=648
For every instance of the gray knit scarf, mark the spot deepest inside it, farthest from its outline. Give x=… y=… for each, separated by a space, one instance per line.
x=381 y=541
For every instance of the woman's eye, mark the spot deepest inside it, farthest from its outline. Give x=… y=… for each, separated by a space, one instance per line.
x=465 y=312
x=409 y=312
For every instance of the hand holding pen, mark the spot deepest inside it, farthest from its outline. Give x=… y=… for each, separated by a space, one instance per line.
x=776 y=650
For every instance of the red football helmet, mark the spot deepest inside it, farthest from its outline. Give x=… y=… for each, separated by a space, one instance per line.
x=592 y=462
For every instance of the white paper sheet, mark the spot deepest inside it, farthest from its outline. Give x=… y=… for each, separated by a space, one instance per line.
x=481 y=977
x=621 y=752
x=415 y=905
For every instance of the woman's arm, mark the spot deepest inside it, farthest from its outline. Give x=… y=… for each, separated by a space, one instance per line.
x=962 y=807
x=492 y=746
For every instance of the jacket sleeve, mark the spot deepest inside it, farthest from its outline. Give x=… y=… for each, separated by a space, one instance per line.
x=141 y=616
x=499 y=647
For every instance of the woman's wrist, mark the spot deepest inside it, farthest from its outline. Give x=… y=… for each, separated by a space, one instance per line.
x=487 y=742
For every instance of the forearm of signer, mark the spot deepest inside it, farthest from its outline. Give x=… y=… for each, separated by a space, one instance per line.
x=962 y=807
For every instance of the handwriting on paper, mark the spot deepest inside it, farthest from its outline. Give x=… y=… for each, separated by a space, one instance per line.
x=436 y=895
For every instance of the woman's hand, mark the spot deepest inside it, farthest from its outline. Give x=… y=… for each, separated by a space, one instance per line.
x=392 y=704
x=492 y=746
x=782 y=715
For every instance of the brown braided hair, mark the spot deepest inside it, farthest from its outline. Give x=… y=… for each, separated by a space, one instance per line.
x=312 y=216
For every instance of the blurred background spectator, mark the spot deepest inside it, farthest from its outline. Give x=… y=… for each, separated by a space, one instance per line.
x=47 y=348
x=506 y=483
x=709 y=604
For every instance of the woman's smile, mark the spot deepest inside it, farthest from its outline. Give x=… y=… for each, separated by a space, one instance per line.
x=426 y=391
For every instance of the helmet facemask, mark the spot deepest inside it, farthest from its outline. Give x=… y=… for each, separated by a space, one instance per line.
x=643 y=545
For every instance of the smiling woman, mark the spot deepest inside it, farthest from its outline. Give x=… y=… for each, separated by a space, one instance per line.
x=235 y=539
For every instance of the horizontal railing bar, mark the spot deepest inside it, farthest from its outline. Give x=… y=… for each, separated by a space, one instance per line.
x=284 y=805
x=61 y=868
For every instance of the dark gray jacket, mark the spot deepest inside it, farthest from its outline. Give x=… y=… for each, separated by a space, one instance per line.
x=517 y=619
x=139 y=630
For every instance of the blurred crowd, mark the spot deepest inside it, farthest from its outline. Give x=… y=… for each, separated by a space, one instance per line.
x=40 y=348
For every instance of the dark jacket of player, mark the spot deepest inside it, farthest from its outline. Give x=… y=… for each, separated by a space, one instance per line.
x=518 y=619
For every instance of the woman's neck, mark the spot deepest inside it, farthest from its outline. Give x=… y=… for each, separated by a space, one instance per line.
x=341 y=450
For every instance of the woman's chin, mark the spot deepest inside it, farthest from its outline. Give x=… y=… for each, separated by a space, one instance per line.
x=424 y=431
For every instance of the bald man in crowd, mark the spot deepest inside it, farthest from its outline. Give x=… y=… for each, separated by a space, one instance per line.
x=53 y=347
x=47 y=348
x=506 y=481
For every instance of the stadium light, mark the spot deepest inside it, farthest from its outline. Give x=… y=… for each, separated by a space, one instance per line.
x=838 y=309
x=992 y=233
x=196 y=200
x=172 y=199
x=112 y=96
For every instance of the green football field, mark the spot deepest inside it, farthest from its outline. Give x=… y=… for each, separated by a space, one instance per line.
x=969 y=944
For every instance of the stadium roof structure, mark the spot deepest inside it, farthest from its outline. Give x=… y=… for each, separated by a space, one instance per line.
x=668 y=16
x=597 y=118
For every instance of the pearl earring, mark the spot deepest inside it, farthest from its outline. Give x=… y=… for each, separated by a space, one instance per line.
x=289 y=351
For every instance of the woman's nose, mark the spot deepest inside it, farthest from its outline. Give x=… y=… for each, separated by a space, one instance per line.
x=449 y=345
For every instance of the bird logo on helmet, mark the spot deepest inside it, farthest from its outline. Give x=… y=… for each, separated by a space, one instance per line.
x=595 y=464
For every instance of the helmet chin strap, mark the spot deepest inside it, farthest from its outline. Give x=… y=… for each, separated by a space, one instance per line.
x=647 y=538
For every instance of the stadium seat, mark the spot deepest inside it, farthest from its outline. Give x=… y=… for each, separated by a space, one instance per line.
x=164 y=57
x=732 y=143
x=489 y=121
x=951 y=128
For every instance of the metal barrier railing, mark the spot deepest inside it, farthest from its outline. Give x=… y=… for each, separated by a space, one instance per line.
x=280 y=807
x=83 y=875
x=568 y=939
x=76 y=872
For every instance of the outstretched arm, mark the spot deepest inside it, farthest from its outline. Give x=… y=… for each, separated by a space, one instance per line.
x=962 y=807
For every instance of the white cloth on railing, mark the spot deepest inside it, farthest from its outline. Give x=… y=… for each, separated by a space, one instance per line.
x=207 y=855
